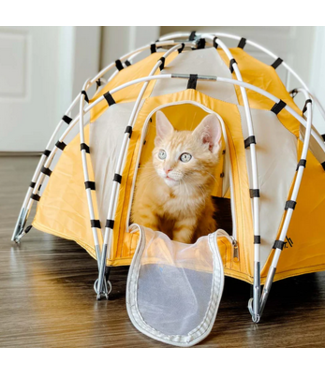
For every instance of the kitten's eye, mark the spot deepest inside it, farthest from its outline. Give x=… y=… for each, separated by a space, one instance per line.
x=162 y=154
x=185 y=157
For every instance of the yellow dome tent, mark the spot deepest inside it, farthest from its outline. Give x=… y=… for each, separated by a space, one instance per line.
x=269 y=145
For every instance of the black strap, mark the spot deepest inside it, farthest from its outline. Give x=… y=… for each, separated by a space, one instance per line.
x=127 y=63
x=153 y=48
x=180 y=50
x=60 y=145
x=277 y=62
x=98 y=82
x=323 y=136
x=109 y=98
x=290 y=204
x=84 y=146
x=119 y=65
x=128 y=129
x=83 y=92
x=248 y=141
x=117 y=178
x=293 y=93
x=215 y=44
x=201 y=44
x=305 y=106
x=231 y=62
x=109 y=224
x=35 y=197
x=192 y=81
x=27 y=229
x=278 y=244
x=46 y=171
x=90 y=185
x=323 y=165
x=254 y=193
x=242 y=43
x=32 y=185
x=257 y=239
x=162 y=65
x=302 y=162
x=67 y=119
x=46 y=152
x=95 y=223
x=278 y=107
x=192 y=36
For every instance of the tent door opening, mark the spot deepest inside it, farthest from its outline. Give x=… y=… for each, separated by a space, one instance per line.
x=186 y=117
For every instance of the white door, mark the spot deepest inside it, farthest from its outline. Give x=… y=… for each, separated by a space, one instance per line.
x=41 y=69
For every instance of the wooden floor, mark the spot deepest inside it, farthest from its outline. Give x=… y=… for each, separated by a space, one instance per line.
x=47 y=299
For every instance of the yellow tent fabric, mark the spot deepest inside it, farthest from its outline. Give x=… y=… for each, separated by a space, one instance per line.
x=63 y=209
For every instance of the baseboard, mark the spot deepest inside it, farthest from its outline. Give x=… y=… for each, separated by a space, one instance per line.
x=20 y=153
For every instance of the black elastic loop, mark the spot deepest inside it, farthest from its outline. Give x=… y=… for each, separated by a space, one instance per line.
x=67 y=119
x=35 y=197
x=109 y=224
x=231 y=62
x=277 y=62
x=32 y=184
x=248 y=141
x=60 y=145
x=98 y=82
x=215 y=44
x=323 y=165
x=95 y=223
x=117 y=178
x=290 y=204
x=302 y=162
x=192 y=36
x=323 y=136
x=83 y=92
x=305 y=106
x=90 y=185
x=153 y=48
x=180 y=50
x=162 y=65
x=201 y=44
x=119 y=65
x=257 y=239
x=84 y=146
x=242 y=43
x=254 y=193
x=46 y=171
x=128 y=129
x=192 y=81
x=109 y=98
x=278 y=244
x=278 y=107
x=293 y=93
x=46 y=152
x=127 y=63
x=27 y=229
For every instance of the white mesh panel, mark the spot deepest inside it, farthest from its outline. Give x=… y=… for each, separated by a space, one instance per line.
x=174 y=289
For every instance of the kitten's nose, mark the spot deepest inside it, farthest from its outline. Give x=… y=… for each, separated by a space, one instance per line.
x=168 y=170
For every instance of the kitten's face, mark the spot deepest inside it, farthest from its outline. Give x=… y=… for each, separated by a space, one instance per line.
x=185 y=157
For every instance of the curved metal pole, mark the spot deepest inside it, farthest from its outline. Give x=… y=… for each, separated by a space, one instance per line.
x=119 y=165
x=24 y=211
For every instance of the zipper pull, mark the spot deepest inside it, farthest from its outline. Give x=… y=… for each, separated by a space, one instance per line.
x=235 y=249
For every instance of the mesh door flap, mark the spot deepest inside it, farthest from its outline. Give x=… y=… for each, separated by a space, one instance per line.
x=174 y=289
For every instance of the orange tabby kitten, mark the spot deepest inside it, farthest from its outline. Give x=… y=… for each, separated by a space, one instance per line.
x=173 y=192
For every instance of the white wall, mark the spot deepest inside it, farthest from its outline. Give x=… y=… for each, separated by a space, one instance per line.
x=119 y=40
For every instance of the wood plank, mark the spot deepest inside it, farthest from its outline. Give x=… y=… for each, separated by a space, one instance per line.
x=47 y=297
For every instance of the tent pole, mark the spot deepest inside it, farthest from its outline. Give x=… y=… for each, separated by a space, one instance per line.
x=279 y=244
x=24 y=211
x=116 y=185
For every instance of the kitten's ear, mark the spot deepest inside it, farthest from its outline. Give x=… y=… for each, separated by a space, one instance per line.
x=209 y=131
x=163 y=127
